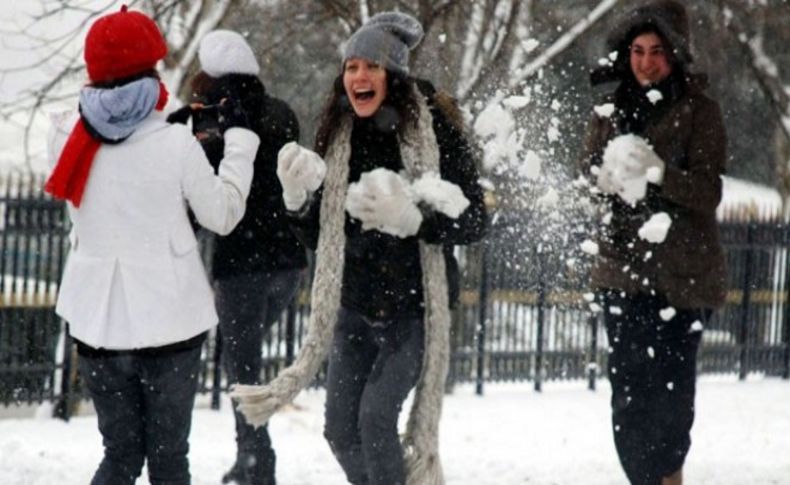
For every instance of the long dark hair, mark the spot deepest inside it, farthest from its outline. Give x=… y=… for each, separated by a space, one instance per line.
x=400 y=97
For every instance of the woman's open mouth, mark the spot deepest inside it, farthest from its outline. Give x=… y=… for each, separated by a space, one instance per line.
x=364 y=95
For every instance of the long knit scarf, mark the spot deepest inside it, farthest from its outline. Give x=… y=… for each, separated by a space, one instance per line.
x=420 y=154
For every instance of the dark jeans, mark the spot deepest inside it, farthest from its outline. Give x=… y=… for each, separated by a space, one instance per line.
x=371 y=371
x=144 y=408
x=652 y=369
x=248 y=305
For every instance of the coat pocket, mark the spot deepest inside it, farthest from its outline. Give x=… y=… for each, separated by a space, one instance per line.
x=182 y=240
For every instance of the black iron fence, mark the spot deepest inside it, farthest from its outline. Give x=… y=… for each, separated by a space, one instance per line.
x=534 y=323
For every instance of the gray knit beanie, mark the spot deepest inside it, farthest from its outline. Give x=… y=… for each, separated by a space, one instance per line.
x=386 y=38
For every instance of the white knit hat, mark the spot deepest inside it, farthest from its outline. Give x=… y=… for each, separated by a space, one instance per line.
x=226 y=52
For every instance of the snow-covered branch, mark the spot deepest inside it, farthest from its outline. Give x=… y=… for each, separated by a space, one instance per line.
x=563 y=42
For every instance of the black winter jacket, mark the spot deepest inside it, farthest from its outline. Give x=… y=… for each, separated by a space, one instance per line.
x=382 y=277
x=263 y=240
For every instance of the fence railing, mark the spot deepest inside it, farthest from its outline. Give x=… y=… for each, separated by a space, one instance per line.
x=522 y=315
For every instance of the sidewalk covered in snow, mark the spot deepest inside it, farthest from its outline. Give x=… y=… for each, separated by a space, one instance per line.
x=510 y=436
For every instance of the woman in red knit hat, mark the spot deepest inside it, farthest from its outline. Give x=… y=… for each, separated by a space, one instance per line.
x=134 y=265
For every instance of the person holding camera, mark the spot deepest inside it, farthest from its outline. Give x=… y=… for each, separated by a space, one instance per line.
x=256 y=269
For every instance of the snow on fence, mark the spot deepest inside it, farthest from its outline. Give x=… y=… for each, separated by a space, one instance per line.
x=534 y=323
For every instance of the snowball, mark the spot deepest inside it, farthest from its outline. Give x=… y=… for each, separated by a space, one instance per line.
x=589 y=247
x=613 y=56
x=595 y=308
x=441 y=195
x=494 y=121
x=550 y=199
x=530 y=45
x=604 y=110
x=442 y=38
x=570 y=263
x=656 y=228
x=607 y=219
x=530 y=168
x=615 y=310
x=553 y=134
x=589 y=296
x=654 y=175
x=667 y=313
x=696 y=326
x=670 y=385
x=654 y=95
x=651 y=352
x=618 y=153
x=516 y=102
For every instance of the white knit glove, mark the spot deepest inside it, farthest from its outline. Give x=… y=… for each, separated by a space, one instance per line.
x=606 y=180
x=382 y=200
x=301 y=172
x=441 y=195
x=644 y=162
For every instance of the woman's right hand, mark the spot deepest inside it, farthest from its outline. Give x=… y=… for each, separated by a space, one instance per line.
x=301 y=172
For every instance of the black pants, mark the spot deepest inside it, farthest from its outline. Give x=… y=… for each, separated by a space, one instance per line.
x=652 y=370
x=371 y=371
x=144 y=408
x=248 y=305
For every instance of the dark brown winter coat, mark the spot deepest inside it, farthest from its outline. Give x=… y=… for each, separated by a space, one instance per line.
x=689 y=266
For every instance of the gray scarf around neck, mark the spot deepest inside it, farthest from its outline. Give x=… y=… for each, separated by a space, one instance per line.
x=420 y=154
x=116 y=112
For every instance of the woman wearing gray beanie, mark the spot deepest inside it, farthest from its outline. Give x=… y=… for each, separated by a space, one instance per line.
x=392 y=187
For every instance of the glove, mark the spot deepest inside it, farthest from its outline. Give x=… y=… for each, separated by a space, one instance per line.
x=440 y=195
x=181 y=115
x=606 y=181
x=232 y=115
x=301 y=172
x=382 y=200
x=642 y=161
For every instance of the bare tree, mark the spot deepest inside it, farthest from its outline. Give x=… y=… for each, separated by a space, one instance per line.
x=182 y=21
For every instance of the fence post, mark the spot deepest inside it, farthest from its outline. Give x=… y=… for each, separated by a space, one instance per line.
x=786 y=314
x=481 y=324
x=541 y=323
x=216 y=384
x=743 y=335
x=63 y=407
x=290 y=332
x=592 y=361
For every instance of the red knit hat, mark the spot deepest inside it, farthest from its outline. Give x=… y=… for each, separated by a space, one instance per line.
x=118 y=46
x=122 y=44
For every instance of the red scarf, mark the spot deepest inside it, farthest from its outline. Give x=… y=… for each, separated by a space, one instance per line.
x=68 y=179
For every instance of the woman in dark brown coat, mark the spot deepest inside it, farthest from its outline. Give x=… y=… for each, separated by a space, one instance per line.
x=657 y=296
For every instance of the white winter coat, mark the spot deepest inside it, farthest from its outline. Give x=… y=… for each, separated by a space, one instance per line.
x=134 y=277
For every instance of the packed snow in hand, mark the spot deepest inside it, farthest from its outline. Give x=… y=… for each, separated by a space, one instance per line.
x=441 y=195
x=617 y=155
x=656 y=228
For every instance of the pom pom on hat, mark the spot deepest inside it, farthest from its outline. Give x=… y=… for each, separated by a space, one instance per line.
x=226 y=52
x=386 y=38
x=122 y=44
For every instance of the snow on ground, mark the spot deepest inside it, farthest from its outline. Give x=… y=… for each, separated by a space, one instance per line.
x=511 y=436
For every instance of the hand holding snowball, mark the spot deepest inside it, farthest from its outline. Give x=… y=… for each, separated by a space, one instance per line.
x=301 y=172
x=383 y=200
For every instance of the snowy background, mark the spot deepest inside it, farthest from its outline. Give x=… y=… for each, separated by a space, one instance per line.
x=511 y=436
